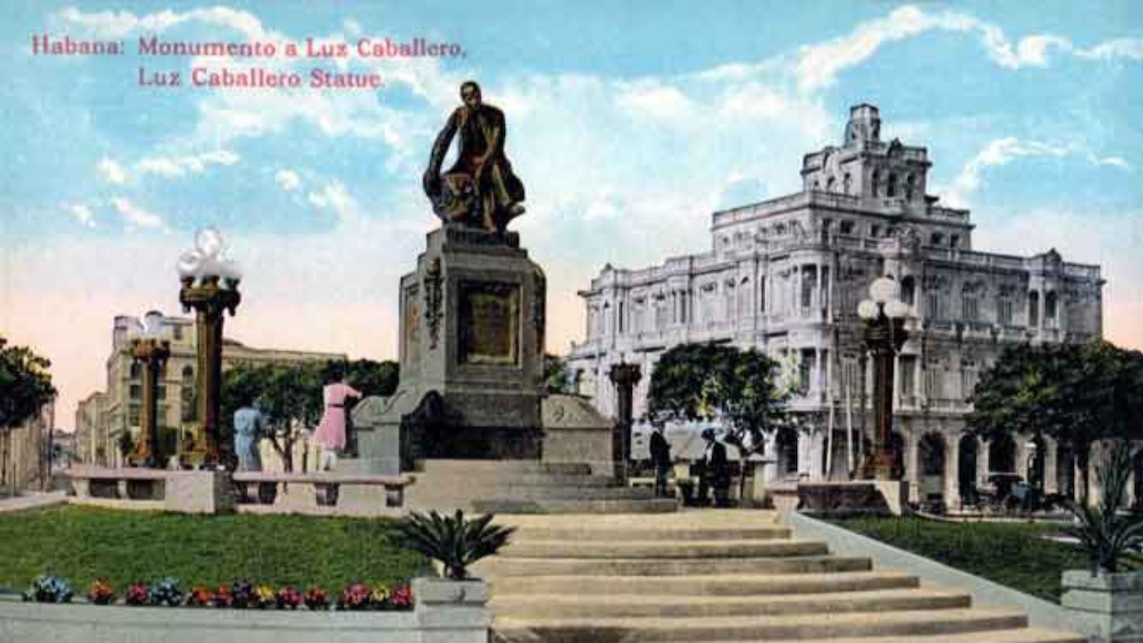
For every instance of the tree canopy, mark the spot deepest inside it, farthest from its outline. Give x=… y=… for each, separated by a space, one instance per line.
x=719 y=382
x=1076 y=394
x=290 y=395
x=25 y=384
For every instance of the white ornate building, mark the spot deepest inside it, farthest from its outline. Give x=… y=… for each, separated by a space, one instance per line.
x=786 y=275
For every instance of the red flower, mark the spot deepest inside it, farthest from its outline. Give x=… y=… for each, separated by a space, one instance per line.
x=316 y=599
x=201 y=596
x=222 y=597
x=402 y=596
x=137 y=594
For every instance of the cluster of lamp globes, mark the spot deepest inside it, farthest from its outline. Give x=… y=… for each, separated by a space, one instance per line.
x=151 y=328
x=208 y=260
x=885 y=297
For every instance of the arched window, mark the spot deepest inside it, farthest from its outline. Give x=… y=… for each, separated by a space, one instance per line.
x=830 y=184
x=787 y=452
x=908 y=290
x=909 y=187
x=891 y=190
x=1002 y=455
x=1050 y=308
x=936 y=239
x=846 y=183
x=136 y=370
x=1033 y=308
x=761 y=295
x=875 y=184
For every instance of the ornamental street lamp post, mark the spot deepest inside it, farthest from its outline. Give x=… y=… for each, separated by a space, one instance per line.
x=150 y=351
x=625 y=376
x=209 y=286
x=884 y=335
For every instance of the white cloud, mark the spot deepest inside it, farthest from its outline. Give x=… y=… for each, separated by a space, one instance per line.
x=818 y=65
x=655 y=100
x=288 y=179
x=335 y=198
x=118 y=24
x=112 y=171
x=173 y=167
x=83 y=214
x=1003 y=151
x=135 y=215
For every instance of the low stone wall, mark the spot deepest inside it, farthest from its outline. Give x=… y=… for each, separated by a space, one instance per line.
x=445 y=612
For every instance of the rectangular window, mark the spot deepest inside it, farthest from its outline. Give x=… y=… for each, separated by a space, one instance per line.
x=805 y=371
x=875 y=231
x=933 y=306
x=133 y=415
x=847 y=227
x=136 y=392
x=178 y=330
x=160 y=392
x=621 y=320
x=907 y=377
x=1004 y=311
x=969 y=310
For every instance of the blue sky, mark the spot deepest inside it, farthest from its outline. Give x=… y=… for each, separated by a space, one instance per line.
x=628 y=122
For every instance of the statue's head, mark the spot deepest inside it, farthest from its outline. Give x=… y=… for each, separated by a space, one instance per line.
x=470 y=94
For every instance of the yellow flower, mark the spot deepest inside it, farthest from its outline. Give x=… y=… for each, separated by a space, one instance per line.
x=380 y=593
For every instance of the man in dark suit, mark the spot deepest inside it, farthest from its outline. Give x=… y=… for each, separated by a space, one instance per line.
x=660 y=459
x=715 y=471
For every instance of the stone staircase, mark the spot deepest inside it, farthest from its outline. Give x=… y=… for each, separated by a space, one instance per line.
x=525 y=487
x=717 y=577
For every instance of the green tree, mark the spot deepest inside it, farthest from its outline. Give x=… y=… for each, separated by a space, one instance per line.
x=25 y=387
x=290 y=395
x=557 y=377
x=719 y=382
x=1077 y=394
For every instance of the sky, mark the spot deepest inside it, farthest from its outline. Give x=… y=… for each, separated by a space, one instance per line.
x=629 y=123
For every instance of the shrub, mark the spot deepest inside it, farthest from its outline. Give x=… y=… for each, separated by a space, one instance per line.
x=355 y=596
x=137 y=594
x=288 y=598
x=100 y=592
x=49 y=589
x=316 y=599
x=165 y=592
x=201 y=596
x=453 y=541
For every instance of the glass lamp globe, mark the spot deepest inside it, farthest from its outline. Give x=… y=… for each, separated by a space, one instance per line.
x=209 y=242
x=152 y=323
x=883 y=289
x=190 y=263
x=867 y=310
x=896 y=309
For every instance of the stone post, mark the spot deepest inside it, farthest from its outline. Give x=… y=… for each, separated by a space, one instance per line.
x=1108 y=608
x=450 y=611
x=625 y=376
x=952 y=474
x=1051 y=452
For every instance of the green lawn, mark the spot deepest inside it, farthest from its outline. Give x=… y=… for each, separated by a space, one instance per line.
x=1012 y=554
x=82 y=544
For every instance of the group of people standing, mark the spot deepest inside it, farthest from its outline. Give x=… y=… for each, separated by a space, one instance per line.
x=330 y=435
x=713 y=467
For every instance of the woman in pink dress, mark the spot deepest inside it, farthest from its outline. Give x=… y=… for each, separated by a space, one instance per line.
x=330 y=433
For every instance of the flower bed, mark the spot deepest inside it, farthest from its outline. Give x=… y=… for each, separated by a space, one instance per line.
x=241 y=594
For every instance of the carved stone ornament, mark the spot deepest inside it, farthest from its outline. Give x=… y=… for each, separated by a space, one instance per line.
x=433 y=301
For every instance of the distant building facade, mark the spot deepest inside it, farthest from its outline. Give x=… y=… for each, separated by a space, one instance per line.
x=103 y=417
x=785 y=276
x=24 y=452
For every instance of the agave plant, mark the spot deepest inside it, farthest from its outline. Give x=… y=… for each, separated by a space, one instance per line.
x=1106 y=534
x=454 y=541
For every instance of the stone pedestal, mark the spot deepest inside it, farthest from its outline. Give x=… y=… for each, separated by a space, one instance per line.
x=452 y=611
x=1106 y=607
x=206 y=492
x=471 y=354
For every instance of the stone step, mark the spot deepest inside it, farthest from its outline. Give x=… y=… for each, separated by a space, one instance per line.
x=637 y=533
x=719 y=585
x=526 y=493
x=500 y=467
x=613 y=605
x=882 y=625
x=1021 y=635
x=498 y=566
x=508 y=506
x=484 y=481
x=656 y=549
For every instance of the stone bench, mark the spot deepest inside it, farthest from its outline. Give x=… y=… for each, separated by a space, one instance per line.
x=326 y=490
x=118 y=484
